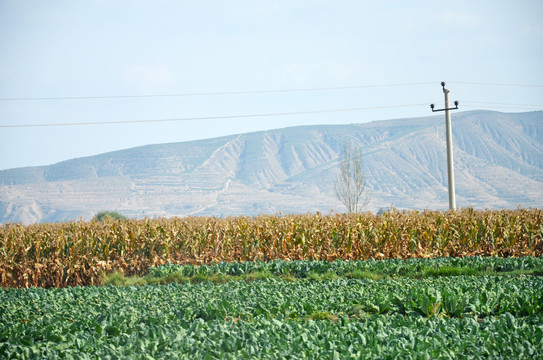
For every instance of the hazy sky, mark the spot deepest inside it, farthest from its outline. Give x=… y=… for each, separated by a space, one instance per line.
x=62 y=49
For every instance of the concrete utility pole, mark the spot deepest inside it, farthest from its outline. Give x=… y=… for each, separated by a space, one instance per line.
x=450 y=161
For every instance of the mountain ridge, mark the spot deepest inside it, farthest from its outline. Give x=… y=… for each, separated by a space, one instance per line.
x=498 y=163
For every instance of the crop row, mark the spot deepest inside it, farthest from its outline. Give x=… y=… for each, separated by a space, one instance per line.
x=475 y=317
x=78 y=253
x=389 y=267
x=377 y=337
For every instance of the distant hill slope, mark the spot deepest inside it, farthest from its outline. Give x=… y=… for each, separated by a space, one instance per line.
x=498 y=163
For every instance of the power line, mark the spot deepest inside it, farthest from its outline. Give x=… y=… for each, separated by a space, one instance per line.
x=499 y=103
x=209 y=117
x=494 y=84
x=253 y=91
x=469 y=104
x=505 y=106
x=210 y=93
x=496 y=108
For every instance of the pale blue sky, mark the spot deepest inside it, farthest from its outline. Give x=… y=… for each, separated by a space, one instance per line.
x=116 y=48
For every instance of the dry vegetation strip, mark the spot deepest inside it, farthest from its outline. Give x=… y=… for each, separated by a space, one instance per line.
x=79 y=253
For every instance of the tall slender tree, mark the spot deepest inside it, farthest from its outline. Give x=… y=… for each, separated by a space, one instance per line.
x=351 y=180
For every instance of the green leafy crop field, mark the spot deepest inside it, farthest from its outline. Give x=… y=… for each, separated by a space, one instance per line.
x=444 y=308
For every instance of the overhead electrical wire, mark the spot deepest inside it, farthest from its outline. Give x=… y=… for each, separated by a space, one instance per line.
x=210 y=117
x=498 y=108
x=500 y=103
x=254 y=91
x=468 y=104
x=211 y=93
x=494 y=84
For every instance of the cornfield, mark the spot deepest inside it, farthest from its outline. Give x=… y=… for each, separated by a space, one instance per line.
x=79 y=253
